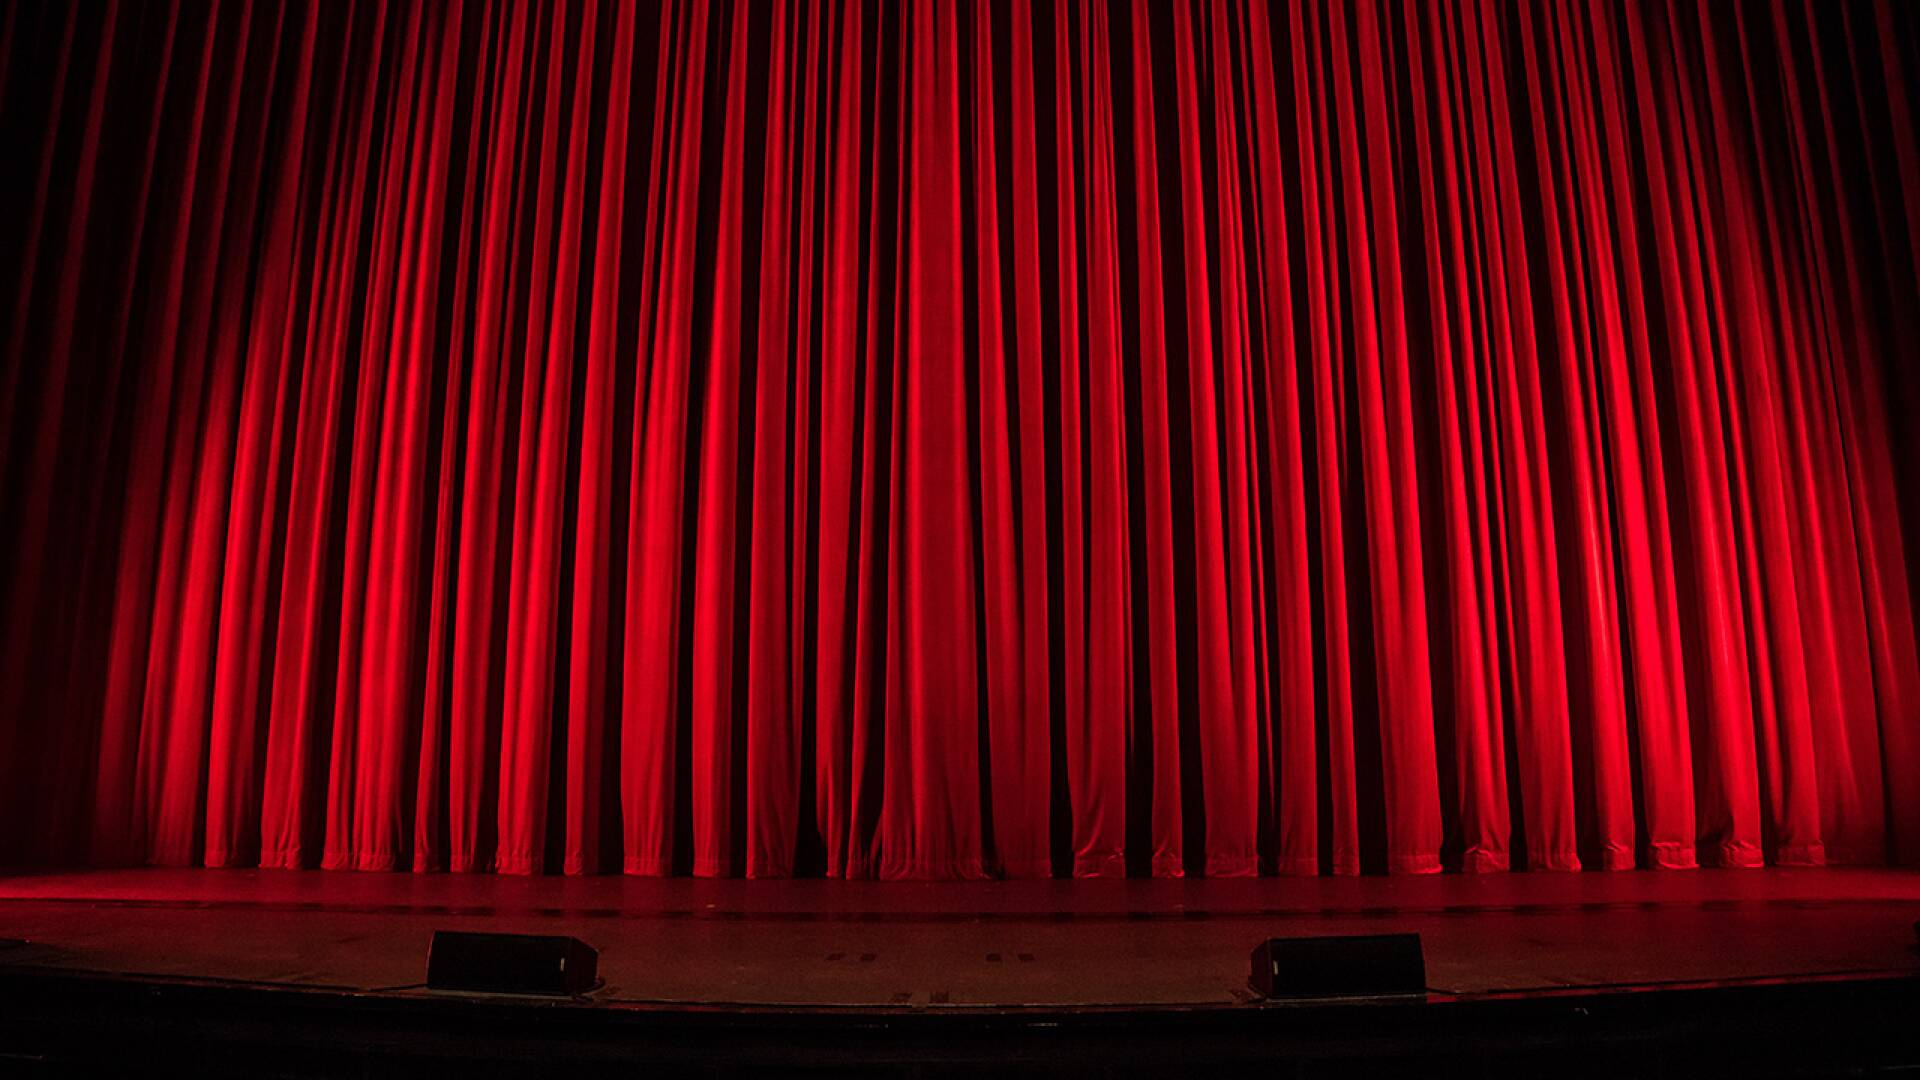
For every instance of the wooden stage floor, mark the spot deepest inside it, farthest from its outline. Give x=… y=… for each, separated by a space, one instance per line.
x=972 y=946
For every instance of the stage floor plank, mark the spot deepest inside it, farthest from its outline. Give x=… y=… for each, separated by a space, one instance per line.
x=955 y=946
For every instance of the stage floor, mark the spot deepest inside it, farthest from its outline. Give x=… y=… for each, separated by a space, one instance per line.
x=1008 y=945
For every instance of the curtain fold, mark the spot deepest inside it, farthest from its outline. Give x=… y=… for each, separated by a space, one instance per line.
x=960 y=439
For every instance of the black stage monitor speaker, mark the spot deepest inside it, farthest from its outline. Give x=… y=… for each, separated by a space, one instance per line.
x=1365 y=965
x=510 y=963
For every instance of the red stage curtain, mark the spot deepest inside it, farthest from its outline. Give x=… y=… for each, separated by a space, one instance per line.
x=934 y=439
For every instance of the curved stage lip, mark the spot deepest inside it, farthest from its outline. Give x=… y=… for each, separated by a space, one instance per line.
x=854 y=974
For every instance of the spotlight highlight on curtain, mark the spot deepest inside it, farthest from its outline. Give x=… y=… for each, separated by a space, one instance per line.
x=935 y=439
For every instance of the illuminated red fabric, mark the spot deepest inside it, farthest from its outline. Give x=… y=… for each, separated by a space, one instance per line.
x=931 y=440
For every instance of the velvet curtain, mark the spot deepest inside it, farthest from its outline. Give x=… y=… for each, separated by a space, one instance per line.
x=934 y=439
